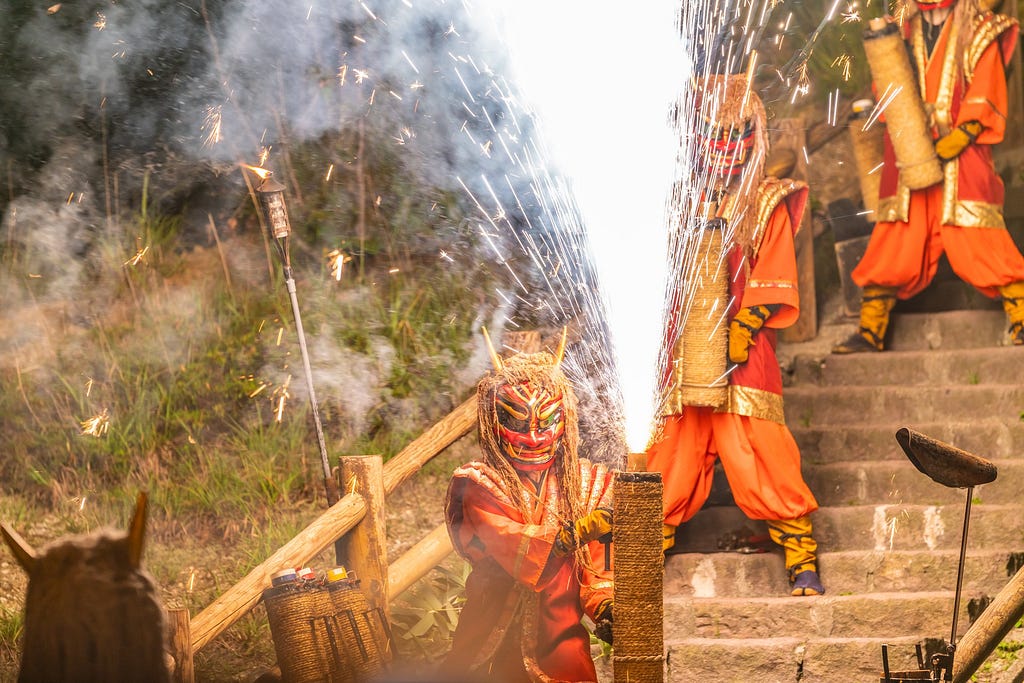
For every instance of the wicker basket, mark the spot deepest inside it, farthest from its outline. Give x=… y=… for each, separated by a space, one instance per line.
x=327 y=634
x=309 y=644
x=905 y=115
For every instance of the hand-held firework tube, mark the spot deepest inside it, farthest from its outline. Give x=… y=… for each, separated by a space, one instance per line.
x=905 y=115
x=638 y=608
x=702 y=349
x=868 y=139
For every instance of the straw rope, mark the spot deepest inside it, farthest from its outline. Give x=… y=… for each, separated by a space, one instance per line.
x=905 y=115
x=638 y=610
x=868 y=150
x=702 y=349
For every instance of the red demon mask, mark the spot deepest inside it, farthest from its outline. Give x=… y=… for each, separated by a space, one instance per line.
x=527 y=411
x=730 y=128
x=531 y=423
x=938 y=4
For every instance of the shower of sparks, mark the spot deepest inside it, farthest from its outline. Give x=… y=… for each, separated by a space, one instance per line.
x=101 y=21
x=139 y=256
x=212 y=125
x=851 y=14
x=844 y=64
x=361 y=75
x=410 y=61
x=888 y=96
x=342 y=72
x=279 y=397
x=832 y=114
x=330 y=170
x=336 y=260
x=88 y=387
x=96 y=426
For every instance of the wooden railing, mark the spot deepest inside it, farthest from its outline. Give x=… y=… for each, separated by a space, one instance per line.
x=329 y=527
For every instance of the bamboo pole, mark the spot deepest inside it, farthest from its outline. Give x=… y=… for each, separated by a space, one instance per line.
x=429 y=552
x=331 y=525
x=988 y=631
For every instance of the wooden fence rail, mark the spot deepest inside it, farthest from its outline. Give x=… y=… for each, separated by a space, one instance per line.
x=235 y=602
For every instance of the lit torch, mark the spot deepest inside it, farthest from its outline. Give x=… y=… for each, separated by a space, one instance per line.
x=271 y=198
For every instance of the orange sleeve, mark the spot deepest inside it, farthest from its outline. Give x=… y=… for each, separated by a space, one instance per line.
x=490 y=529
x=986 y=100
x=773 y=275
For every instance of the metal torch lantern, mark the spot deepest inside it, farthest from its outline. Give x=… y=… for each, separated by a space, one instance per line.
x=271 y=196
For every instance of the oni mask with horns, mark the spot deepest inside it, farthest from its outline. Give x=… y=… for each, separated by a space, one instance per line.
x=730 y=127
x=527 y=410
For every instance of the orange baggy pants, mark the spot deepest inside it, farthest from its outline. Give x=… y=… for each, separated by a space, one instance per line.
x=906 y=255
x=760 y=458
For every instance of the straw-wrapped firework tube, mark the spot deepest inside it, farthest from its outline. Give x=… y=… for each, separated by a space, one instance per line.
x=364 y=636
x=905 y=116
x=868 y=151
x=639 y=565
x=702 y=349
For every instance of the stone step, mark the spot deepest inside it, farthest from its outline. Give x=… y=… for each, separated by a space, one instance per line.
x=872 y=527
x=786 y=660
x=963 y=329
x=853 y=616
x=814 y=406
x=894 y=481
x=991 y=438
x=736 y=574
x=987 y=365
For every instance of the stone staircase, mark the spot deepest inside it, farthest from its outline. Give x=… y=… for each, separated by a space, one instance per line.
x=889 y=536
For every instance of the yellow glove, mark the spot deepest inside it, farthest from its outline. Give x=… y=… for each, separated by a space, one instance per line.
x=950 y=146
x=742 y=330
x=584 y=530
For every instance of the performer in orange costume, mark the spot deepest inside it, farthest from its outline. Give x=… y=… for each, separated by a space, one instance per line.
x=527 y=518
x=959 y=53
x=747 y=430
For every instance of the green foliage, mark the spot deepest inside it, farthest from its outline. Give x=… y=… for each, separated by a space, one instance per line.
x=12 y=624
x=424 y=618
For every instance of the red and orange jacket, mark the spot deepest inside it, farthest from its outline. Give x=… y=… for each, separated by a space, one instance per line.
x=524 y=604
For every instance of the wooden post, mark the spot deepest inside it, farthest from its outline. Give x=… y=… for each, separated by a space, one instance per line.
x=181 y=646
x=790 y=134
x=429 y=552
x=365 y=547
